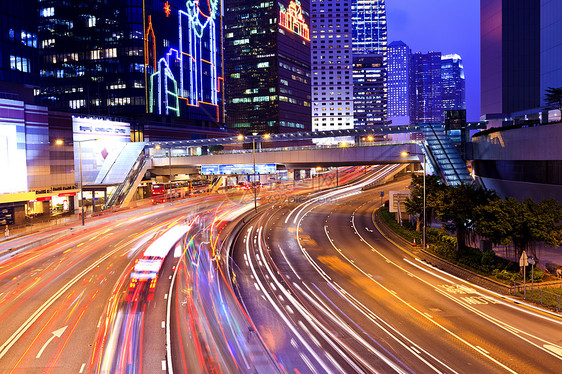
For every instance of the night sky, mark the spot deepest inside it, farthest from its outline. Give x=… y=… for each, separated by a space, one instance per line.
x=446 y=26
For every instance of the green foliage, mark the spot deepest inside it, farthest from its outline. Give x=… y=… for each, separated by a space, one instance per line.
x=433 y=186
x=506 y=221
x=553 y=97
x=405 y=231
x=217 y=148
x=457 y=206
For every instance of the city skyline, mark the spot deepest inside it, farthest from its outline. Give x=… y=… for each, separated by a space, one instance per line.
x=407 y=21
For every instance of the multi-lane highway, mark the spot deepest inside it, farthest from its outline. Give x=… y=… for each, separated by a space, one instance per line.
x=329 y=293
x=320 y=290
x=69 y=302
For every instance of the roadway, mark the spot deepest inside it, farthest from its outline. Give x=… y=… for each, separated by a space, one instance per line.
x=67 y=305
x=329 y=293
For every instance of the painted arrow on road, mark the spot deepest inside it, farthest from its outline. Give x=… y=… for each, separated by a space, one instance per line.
x=56 y=334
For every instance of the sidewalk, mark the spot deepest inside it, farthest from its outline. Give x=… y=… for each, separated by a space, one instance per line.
x=40 y=226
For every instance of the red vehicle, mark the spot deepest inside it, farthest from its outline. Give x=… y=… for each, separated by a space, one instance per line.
x=159 y=193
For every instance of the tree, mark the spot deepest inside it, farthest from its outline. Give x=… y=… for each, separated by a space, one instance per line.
x=553 y=97
x=217 y=148
x=414 y=205
x=521 y=223
x=545 y=224
x=457 y=207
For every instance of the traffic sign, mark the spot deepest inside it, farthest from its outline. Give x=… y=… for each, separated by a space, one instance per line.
x=531 y=260
x=524 y=260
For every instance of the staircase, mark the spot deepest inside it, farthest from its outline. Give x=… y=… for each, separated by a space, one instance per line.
x=443 y=155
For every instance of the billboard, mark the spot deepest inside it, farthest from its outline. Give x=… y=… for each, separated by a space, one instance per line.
x=238 y=169
x=99 y=141
x=13 y=164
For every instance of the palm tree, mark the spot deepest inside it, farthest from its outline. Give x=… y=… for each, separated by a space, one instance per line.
x=553 y=97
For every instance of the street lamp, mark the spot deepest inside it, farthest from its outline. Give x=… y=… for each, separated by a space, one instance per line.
x=254 y=184
x=80 y=165
x=404 y=154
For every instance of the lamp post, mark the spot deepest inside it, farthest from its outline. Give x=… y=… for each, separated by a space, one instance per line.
x=81 y=180
x=404 y=154
x=254 y=184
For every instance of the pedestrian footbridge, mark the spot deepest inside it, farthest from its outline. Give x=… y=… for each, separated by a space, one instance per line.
x=360 y=148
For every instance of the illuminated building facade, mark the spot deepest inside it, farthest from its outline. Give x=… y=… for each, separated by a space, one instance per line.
x=426 y=90
x=150 y=60
x=369 y=27
x=399 y=55
x=452 y=79
x=369 y=101
x=267 y=65
x=19 y=68
x=332 y=65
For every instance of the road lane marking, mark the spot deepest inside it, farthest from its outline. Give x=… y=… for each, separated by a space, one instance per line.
x=163 y=324
x=82 y=367
x=163 y=365
x=35 y=316
x=56 y=334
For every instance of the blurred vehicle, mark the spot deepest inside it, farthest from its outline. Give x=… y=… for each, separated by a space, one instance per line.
x=147 y=268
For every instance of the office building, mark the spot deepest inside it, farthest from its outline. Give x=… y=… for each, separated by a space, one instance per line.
x=550 y=46
x=268 y=77
x=369 y=27
x=426 y=89
x=152 y=61
x=510 y=47
x=332 y=65
x=369 y=94
x=19 y=68
x=453 y=81
x=398 y=81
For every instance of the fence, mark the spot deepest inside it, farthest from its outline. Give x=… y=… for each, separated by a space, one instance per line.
x=538 y=293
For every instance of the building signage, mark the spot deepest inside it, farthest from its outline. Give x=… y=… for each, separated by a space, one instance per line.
x=293 y=20
x=238 y=169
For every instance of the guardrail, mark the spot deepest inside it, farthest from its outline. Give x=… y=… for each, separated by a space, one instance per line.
x=532 y=292
x=536 y=293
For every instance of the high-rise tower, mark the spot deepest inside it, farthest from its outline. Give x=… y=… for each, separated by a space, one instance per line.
x=399 y=55
x=426 y=90
x=453 y=81
x=510 y=55
x=267 y=54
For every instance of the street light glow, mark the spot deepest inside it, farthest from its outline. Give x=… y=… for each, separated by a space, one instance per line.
x=59 y=142
x=240 y=137
x=404 y=154
x=266 y=136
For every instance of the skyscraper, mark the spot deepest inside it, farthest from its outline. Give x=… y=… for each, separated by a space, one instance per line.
x=267 y=47
x=453 y=81
x=510 y=55
x=398 y=78
x=369 y=27
x=144 y=59
x=370 y=62
x=551 y=46
x=426 y=90
x=19 y=68
x=369 y=95
x=332 y=65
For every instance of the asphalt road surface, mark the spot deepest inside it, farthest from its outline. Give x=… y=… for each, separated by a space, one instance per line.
x=329 y=293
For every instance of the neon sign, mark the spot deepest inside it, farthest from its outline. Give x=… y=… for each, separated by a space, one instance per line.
x=188 y=72
x=293 y=20
x=167 y=9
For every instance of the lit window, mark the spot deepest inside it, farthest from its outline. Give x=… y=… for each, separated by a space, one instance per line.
x=47 y=12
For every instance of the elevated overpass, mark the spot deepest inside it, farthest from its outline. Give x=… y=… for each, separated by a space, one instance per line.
x=185 y=156
x=301 y=158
